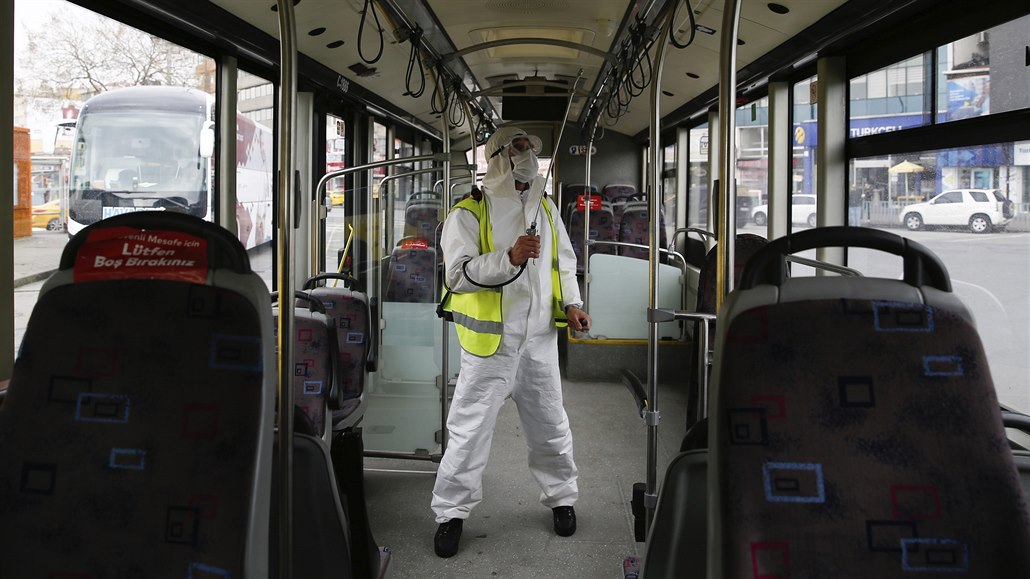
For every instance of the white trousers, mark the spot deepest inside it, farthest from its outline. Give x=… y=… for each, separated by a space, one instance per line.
x=528 y=373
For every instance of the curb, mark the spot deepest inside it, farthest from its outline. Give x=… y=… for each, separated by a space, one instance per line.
x=33 y=278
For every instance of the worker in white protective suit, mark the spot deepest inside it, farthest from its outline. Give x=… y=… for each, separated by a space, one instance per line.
x=509 y=334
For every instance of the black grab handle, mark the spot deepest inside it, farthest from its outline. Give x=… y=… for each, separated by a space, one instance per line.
x=922 y=267
x=349 y=281
x=313 y=304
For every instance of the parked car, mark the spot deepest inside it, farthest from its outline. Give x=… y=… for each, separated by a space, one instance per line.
x=802 y=210
x=48 y=216
x=982 y=210
x=336 y=197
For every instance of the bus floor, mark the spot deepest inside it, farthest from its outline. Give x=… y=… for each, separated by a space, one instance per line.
x=510 y=533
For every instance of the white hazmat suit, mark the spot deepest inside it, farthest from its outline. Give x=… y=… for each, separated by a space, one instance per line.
x=525 y=366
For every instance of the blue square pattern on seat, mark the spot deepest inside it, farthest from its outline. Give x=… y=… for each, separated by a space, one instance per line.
x=126 y=448
x=863 y=439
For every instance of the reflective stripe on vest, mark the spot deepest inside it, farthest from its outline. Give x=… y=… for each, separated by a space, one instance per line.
x=477 y=315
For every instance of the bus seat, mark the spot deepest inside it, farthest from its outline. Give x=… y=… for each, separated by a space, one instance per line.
x=321 y=532
x=872 y=444
x=353 y=316
x=422 y=217
x=677 y=540
x=137 y=428
x=613 y=191
x=602 y=228
x=349 y=311
x=412 y=272
x=634 y=227
x=746 y=246
x=618 y=196
x=127 y=180
x=315 y=385
x=570 y=197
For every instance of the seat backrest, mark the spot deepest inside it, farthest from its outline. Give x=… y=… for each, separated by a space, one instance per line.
x=412 y=272
x=570 y=195
x=613 y=191
x=322 y=546
x=602 y=228
x=422 y=216
x=634 y=227
x=137 y=437
x=872 y=443
x=746 y=246
x=350 y=313
x=315 y=389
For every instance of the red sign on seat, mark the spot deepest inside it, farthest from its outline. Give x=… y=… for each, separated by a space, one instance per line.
x=595 y=202
x=126 y=252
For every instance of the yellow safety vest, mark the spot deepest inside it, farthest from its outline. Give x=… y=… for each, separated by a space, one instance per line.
x=477 y=315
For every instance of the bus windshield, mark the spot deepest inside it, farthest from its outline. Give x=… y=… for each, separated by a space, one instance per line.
x=139 y=160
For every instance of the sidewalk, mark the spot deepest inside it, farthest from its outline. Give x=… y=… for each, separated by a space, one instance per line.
x=37 y=256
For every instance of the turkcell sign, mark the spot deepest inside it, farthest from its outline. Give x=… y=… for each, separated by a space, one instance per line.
x=877 y=125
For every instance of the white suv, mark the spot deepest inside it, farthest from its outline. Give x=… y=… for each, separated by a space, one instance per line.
x=979 y=209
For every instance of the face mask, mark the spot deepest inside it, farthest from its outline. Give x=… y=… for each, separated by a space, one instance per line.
x=526 y=166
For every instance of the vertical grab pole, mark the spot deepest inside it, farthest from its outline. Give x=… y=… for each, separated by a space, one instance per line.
x=586 y=223
x=727 y=225
x=445 y=344
x=287 y=112
x=651 y=415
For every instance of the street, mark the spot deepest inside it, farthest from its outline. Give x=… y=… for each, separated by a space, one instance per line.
x=990 y=273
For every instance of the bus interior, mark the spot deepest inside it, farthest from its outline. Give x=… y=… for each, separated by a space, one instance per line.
x=225 y=356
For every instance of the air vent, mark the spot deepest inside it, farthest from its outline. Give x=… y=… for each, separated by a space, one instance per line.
x=364 y=71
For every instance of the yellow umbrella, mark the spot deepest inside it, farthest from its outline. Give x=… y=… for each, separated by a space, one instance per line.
x=905 y=167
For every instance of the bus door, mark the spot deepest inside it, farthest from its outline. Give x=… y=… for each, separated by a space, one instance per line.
x=405 y=415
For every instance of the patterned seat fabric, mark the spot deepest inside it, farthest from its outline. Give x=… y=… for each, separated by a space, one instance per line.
x=412 y=273
x=349 y=312
x=861 y=438
x=618 y=196
x=602 y=228
x=314 y=346
x=136 y=439
x=422 y=217
x=634 y=227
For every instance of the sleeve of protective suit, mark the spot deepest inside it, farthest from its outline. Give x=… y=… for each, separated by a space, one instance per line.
x=566 y=261
x=460 y=243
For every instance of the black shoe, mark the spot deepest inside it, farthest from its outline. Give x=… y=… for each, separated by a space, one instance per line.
x=564 y=521
x=447 y=536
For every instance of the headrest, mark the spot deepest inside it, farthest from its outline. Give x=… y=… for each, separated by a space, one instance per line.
x=152 y=245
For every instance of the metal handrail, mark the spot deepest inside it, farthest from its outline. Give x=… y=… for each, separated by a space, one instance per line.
x=697 y=230
x=670 y=252
x=817 y=264
x=319 y=198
